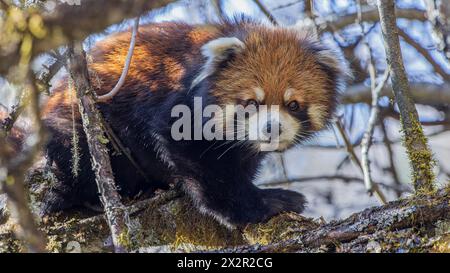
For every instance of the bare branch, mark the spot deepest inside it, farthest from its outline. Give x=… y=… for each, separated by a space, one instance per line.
x=369 y=14
x=116 y=213
x=266 y=12
x=343 y=178
x=351 y=152
x=425 y=53
x=374 y=111
x=368 y=134
x=421 y=93
x=390 y=152
x=123 y=76
x=415 y=141
x=75 y=22
x=287 y=5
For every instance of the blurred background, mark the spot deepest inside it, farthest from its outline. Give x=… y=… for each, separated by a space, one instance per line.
x=322 y=168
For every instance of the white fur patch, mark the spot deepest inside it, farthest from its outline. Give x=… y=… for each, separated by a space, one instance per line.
x=317 y=114
x=288 y=94
x=260 y=94
x=159 y=146
x=216 y=51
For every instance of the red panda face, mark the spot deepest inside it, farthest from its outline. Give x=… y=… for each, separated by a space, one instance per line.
x=284 y=71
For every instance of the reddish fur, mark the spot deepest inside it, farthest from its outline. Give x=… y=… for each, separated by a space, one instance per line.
x=166 y=60
x=295 y=67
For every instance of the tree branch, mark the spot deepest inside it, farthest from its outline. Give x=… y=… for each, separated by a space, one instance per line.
x=421 y=93
x=17 y=166
x=362 y=227
x=116 y=213
x=415 y=141
x=126 y=66
x=266 y=12
x=351 y=152
x=75 y=22
x=425 y=53
x=369 y=14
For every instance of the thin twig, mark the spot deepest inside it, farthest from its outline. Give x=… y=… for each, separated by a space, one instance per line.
x=126 y=67
x=366 y=141
x=356 y=160
x=390 y=151
x=343 y=178
x=266 y=12
x=425 y=53
x=287 y=5
x=374 y=110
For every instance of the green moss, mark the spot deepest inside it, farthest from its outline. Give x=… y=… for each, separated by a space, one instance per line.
x=103 y=140
x=178 y=224
x=421 y=158
x=9 y=244
x=54 y=244
x=279 y=228
x=124 y=239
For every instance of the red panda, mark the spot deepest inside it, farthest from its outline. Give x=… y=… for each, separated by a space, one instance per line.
x=236 y=62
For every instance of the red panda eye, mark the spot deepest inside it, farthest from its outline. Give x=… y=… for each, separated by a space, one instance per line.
x=252 y=102
x=293 y=106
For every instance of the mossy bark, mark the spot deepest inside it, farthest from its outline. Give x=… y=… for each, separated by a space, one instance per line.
x=414 y=139
x=116 y=212
x=168 y=222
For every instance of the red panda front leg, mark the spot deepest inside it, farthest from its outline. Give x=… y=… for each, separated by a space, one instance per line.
x=238 y=204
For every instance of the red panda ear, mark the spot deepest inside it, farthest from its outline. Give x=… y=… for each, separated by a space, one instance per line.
x=217 y=51
x=332 y=60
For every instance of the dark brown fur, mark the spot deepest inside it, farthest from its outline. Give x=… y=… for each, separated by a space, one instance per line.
x=166 y=60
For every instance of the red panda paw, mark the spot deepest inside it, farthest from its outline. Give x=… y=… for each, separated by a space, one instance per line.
x=279 y=201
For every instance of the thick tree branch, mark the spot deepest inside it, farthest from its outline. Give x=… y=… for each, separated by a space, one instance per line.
x=363 y=226
x=415 y=141
x=116 y=213
x=75 y=22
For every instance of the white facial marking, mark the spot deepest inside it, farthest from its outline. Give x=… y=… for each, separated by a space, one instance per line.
x=317 y=114
x=260 y=95
x=278 y=140
x=288 y=94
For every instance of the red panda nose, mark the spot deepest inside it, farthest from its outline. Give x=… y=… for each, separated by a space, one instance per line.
x=270 y=125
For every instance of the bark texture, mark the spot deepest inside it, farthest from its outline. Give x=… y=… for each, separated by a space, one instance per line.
x=168 y=222
x=116 y=213
x=415 y=140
